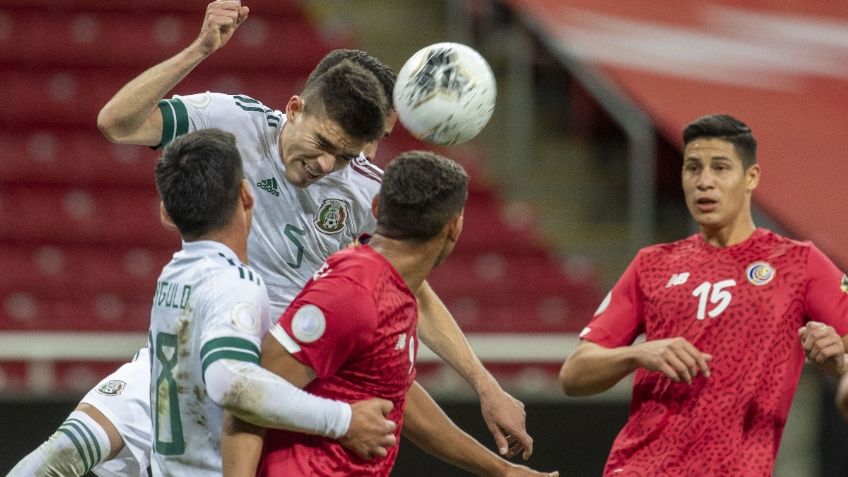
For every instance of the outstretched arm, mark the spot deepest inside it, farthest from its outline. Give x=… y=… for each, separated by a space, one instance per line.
x=132 y=116
x=504 y=415
x=428 y=427
x=592 y=368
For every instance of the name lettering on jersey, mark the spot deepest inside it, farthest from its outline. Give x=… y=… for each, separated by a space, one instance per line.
x=677 y=279
x=401 y=342
x=844 y=284
x=172 y=295
x=760 y=273
x=332 y=216
x=269 y=185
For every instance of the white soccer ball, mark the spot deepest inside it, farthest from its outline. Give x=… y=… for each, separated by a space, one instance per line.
x=445 y=93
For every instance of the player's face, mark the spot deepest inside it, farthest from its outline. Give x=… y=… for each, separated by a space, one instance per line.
x=370 y=149
x=312 y=145
x=716 y=184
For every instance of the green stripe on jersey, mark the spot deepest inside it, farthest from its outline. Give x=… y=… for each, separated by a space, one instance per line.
x=229 y=342
x=246 y=99
x=174 y=120
x=78 y=427
x=75 y=441
x=90 y=439
x=237 y=355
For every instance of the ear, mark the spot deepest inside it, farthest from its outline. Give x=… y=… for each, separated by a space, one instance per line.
x=374 y=205
x=166 y=220
x=752 y=176
x=455 y=227
x=294 y=108
x=246 y=195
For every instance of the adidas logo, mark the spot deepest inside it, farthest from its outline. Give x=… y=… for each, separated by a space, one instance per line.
x=269 y=185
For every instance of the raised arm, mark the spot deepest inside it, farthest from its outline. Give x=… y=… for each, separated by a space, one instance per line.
x=132 y=115
x=429 y=428
x=504 y=415
x=592 y=368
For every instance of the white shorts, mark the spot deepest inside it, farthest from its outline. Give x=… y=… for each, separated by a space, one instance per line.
x=124 y=398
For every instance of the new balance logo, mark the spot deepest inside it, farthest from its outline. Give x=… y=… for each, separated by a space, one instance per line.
x=269 y=185
x=401 y=342
x=677 y=279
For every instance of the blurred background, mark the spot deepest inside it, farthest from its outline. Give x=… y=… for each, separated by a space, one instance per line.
x=578 y=169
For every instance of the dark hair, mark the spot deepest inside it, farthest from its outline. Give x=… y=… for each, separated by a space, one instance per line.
x=421 y=192
x=351 y=96
x=199 y=179
x=726 y=128
x=383 y=73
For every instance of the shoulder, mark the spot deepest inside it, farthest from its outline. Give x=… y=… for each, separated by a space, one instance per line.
x=230 y=275
x=366 y=170
x=661 y=250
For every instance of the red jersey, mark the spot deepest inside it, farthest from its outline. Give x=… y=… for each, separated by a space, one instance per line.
x=354 y=323
x=741 y=304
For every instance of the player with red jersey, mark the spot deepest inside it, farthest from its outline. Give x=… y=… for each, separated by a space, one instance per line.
x=351 y=332
x=721 y=312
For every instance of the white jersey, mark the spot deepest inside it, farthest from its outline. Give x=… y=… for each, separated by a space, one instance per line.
x=208 y=306
x=294 y=229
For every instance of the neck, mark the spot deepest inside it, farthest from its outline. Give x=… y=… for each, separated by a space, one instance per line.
x=230 y=236
x=413 y=261
x=729 y=235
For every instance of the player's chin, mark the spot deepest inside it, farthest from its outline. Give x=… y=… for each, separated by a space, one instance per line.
x=298 y=180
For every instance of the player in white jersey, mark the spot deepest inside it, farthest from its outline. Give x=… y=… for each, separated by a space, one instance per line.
x=209 y=314
x=133 y=117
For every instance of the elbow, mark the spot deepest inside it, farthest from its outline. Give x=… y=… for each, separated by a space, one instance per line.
x=108 y=125
x=569 y=378
x=111 y=126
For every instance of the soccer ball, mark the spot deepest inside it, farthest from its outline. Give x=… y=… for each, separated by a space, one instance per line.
x=445 y=93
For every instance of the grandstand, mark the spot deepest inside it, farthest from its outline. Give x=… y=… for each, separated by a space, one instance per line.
x=568 y=180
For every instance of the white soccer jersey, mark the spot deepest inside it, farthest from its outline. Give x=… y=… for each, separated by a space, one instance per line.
x=294 y=229
x=208 y=306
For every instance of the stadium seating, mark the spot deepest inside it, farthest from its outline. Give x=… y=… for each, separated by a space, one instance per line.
x=79 y=216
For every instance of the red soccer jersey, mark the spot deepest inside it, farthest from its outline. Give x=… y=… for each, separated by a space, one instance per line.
x=742 y=304
x=354 y=323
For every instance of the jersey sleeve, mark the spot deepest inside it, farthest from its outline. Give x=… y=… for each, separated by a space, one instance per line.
x=183 y=114
x=619 y=319
x=234 y=320
x=826 y=294
x=329 y=322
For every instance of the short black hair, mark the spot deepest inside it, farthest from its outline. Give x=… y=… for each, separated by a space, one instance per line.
x=726 y=128
x=351 y=96
x=384 y=74
x=420 y=193
x=199 y=179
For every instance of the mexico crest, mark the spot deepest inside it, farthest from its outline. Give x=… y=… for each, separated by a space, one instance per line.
x=332 y=216
x=113 y=387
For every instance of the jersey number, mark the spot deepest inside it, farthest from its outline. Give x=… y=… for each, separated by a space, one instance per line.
x=716 y=294
x=168 y=428
x=290 y=232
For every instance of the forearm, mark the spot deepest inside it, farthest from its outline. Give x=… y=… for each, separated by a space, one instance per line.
x=241 y=446
x=264 y=399
x=439 y=331
x=129 y=117
x=592 y=369
x=429 y=428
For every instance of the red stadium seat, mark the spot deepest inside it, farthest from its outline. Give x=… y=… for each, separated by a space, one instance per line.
x=72 y=156
x=64 y=97
x=114 y=38
x=23 y=311
x=118 y=215
x=72 y=270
